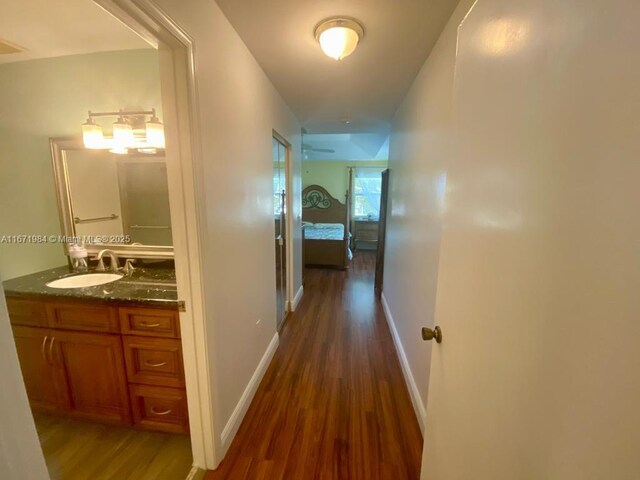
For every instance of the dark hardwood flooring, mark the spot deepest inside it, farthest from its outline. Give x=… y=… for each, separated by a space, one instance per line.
x=333 y=403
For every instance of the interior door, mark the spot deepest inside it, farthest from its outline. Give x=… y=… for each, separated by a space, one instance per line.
x=280 y=218
x=537 y=375
x=382 y=231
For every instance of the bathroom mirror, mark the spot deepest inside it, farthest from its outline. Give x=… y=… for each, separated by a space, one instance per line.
x=114 y=201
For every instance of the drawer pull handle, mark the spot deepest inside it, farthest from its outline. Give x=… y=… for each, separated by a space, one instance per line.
x=154 y=365
x=155 y=412
x=44 y=346
x=149 y=325
x=53 y=339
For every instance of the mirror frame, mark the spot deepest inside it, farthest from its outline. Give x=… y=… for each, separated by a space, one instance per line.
x=65 y=209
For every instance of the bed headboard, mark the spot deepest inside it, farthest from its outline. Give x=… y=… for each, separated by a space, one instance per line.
x=318 y=206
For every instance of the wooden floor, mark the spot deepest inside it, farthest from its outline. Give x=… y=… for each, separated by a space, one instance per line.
x=333 y=403
x=76 y=450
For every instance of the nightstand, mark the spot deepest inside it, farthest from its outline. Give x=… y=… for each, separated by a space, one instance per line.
x=365 y=234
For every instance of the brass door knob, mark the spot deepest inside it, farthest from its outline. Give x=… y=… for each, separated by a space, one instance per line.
x=428 y=334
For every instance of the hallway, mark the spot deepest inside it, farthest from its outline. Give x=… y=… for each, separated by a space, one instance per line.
x=333 y=403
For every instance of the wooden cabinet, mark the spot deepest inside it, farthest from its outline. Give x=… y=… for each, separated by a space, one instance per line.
x=93 y=365
x=45 y=386
x=365 y=234
x=154 y=361
x=151 y=322
x=82 y=316
x=91 y=360
x=155 y=370
x=160 y=408
x=27 y=312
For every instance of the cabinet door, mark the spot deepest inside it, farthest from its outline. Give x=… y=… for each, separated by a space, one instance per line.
x=93 y=365
x=46 y=388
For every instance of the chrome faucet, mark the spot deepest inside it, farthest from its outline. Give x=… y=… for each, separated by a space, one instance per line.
x=114 y=260
x=128 y=267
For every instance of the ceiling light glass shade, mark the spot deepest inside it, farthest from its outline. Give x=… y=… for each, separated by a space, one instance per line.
x=122 y=135
x=339 y=38
x=155 y=133
x=92 y=135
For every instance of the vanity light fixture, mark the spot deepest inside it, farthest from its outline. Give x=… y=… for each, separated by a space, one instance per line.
x=155 y=133
x=339 y=36
x=92 y=134
x=131 y=130
x=122 y=136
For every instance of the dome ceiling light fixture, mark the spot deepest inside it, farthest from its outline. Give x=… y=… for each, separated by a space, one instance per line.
x=339 y=36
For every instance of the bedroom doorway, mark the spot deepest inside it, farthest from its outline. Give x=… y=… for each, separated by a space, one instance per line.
x=280 y=154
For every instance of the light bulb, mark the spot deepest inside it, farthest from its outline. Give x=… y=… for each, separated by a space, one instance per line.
x=155 y=133
x=338 y=42
x=92 y=135
x=122 y=134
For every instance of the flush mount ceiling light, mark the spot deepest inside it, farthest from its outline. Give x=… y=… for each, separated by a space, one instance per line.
x=339 y=37
x=131 y=130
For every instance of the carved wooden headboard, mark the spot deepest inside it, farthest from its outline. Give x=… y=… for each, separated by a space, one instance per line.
x=318 y=206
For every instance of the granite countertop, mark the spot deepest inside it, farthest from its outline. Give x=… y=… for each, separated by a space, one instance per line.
x=145 y=286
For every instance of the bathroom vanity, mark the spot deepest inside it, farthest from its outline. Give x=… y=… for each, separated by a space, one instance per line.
x=110 y=353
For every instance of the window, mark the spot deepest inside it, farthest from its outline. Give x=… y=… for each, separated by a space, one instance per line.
x=277 y=195
x=367 y=186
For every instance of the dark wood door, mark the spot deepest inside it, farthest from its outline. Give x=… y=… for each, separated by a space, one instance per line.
x=46 y=388
x=382 y=231
x=95 y=373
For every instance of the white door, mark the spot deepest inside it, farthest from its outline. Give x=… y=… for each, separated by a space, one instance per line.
x=538 y=375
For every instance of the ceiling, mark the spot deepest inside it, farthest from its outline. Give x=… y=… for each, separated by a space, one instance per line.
x=48 y=28
x=346 y=146
x=366 y=87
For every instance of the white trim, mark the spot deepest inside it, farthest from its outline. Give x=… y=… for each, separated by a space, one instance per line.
x=193 y=473
x=297 y=299
x=288 y=165
x=239 y=412
x=186 y=194
x=418 y=406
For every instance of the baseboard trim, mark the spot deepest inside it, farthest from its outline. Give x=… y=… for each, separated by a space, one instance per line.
x=196 y=473
x=239 y=412
x=297 y=299
x=418 y=406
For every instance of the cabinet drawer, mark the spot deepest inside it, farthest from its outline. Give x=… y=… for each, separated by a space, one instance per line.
x=151 y=322
x=154 y=361
x=26 y=312
x=159 y=408
x=77 y=316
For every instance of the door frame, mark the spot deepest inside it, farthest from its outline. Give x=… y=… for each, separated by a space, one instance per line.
x=186 y=194
x=288 y=221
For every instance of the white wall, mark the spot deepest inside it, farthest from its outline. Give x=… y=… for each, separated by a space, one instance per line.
x=20 y=452
x=239 y=108
x=47 y=98
x=419 y=152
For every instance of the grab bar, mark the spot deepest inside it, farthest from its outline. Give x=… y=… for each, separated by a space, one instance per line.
x=113 y=216
x=151 y=226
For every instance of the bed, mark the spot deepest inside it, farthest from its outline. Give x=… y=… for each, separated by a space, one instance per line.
x=326 y=228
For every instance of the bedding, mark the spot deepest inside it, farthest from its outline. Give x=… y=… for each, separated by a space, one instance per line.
x=324 y=231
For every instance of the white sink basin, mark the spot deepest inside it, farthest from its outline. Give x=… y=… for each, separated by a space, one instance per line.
x=84 y=280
